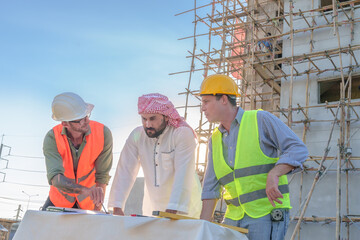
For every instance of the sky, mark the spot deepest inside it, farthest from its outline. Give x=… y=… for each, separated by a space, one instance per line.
x=109 y=52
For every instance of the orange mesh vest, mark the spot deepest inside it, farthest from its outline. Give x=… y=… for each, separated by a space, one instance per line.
x=85 y=174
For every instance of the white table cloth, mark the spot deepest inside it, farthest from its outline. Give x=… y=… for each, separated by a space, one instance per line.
x=39 y=225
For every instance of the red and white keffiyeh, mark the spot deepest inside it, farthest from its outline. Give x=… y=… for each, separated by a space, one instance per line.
x=160 y=104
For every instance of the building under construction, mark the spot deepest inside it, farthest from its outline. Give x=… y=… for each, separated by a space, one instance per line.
x=300 y=61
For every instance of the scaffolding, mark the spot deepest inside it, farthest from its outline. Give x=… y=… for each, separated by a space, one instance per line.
x=283 y=55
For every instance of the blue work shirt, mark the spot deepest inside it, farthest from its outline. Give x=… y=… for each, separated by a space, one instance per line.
x=265 y=44
x=276 y=140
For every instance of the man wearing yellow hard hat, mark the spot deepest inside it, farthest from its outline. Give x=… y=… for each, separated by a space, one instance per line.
x=250 y=154
x=78 y=155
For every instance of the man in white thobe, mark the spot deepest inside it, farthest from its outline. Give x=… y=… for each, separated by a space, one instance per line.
x=165 y=149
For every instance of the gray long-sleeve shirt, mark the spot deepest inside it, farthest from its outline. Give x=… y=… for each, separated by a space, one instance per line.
x=276 y=140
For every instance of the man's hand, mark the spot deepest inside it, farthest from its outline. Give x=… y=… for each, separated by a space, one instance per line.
x=96 y=195
x=272 y=183
x=118 y=211
x=272 y=189
x=171 y=211
x=65 y=184
x=97 y=208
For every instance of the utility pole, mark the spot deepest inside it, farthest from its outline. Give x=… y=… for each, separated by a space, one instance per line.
x=7 y=161
x=18 y=212
x=1 y=148
x=1 y=145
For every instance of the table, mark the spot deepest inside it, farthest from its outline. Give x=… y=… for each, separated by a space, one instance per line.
x=40 y=225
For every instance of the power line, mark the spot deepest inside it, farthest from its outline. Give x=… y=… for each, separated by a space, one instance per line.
x=23 y=156
x=23 y=170
x=25 y=184
x=22 y=200
x=9 y=203
x=29 y=136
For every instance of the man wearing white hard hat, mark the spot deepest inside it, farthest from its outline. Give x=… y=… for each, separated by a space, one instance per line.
x=78 y=155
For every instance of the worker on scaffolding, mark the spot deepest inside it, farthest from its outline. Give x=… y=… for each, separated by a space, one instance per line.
x=265 y=45
x=250 y=154
x=164 y=146
x=78 y=155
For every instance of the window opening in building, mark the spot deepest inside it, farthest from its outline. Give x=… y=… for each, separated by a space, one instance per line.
x=330 y=90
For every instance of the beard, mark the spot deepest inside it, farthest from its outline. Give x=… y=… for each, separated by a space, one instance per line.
x=80 y=129
x=153 y=133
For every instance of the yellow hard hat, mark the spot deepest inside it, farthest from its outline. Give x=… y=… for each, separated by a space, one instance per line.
x=219 y=84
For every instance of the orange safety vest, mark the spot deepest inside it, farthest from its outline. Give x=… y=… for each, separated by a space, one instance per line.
x=85 y=174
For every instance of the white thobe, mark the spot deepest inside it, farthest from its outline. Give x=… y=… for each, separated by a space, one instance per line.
x=168 y=162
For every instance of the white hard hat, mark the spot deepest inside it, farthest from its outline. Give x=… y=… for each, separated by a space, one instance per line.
x=69 y=106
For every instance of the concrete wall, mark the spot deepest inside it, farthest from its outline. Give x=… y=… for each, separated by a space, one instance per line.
x=323 y=201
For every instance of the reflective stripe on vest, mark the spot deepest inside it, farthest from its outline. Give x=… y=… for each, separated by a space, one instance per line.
x=85 y=174
x=255 y=195
x=245 y=184
x=67 y=196
x=246 y=172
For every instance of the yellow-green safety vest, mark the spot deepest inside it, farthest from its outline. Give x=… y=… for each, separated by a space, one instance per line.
x=245 y=184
